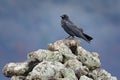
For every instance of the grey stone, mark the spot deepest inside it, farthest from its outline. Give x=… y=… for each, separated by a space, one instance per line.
x=85 y=78
x=77 y=67
x=18 y=78
x=15 y=69
x=91 y=60
x=46 y=55
x=101 y=74
x=64 y=60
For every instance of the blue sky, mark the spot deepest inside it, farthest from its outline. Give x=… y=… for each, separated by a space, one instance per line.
x=28 y=25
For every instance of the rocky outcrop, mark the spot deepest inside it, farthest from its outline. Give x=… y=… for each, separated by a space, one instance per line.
x=64 y=60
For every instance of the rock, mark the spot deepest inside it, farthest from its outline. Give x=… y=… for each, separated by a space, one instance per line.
x=18 y=69
x=91 y=60
x=46 y=71
x=64 y=60
x=63 y=47
x=46 y=55
x=68 y=74
x=15 y=69
x=101 y=74
x=85 y=78
x=77 y=67
x=18 y=78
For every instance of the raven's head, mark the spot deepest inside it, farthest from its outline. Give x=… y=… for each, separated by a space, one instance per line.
x=64 y=16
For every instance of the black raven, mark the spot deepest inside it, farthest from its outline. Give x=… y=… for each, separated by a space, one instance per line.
x=72 y=29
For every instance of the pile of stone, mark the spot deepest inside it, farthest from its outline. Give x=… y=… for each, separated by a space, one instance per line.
x=64 y=60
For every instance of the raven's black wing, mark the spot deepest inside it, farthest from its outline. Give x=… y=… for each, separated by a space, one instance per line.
x=77 y=31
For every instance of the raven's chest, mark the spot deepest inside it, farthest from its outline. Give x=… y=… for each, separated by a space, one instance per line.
x=64 y=23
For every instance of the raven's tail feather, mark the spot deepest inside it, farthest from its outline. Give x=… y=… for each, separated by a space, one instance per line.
x=89 y=38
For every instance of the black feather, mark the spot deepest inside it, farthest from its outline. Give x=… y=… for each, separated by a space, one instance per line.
x=73 y=30
x=88 y=37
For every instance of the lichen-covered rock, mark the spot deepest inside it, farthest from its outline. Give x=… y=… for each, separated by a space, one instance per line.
x=64 y=60
x=68 y=74
x=91 y=60
x=77 y=67
x=68 y=42
x=101 y=74
x=18 y=69
x=46 y=71
x=46 y=55
x=63 y=47
x=85 y=78
x=18 y=78
x=15 y=69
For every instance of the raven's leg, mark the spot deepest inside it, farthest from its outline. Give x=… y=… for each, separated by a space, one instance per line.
x=70 y=37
